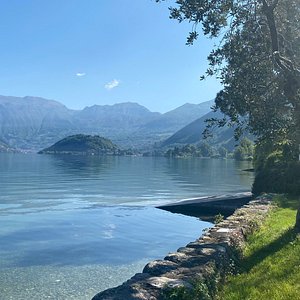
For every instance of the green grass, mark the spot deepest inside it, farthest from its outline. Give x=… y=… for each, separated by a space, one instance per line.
x=271 y=266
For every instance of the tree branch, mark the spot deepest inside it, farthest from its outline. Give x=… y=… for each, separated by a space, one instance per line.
x=275 y=3
x=284 y=64
x=269 y=13
x=265 y=4
x=270 y=6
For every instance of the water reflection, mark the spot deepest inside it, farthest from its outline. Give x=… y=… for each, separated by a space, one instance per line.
x=29 y=182
x=209 y=176
x=69 y=212
x=111 y=235
x=85 y=165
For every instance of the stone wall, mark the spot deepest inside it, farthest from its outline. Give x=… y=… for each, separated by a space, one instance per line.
x=211 y=256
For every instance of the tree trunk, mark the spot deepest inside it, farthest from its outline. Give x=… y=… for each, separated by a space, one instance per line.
x=292 y=85
x=297 y=225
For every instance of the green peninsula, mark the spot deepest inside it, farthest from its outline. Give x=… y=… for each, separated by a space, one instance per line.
x=81 y=144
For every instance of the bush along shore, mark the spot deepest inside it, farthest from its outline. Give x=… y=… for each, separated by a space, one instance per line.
x=200 y=269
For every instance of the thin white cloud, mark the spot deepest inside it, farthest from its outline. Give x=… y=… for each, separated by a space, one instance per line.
x=112 y=84
x=80 y=74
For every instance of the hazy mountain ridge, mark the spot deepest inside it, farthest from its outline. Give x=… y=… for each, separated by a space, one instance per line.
x=35 y=123
x=177 y=118
x=193 y=134
x=129 y=115
x=25 y=122
x=168 y=123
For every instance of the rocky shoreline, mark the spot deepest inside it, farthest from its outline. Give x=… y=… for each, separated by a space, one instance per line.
x=208 y=258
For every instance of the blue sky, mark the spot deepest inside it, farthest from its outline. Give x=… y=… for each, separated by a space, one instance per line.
x=85 y=52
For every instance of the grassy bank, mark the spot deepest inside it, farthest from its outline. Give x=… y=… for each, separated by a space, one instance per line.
x=270 y=268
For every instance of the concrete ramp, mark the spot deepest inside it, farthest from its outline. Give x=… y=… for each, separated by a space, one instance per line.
x=206 y=208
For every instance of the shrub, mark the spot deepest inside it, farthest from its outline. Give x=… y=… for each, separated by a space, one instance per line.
x=218 y=218
x=277 y=177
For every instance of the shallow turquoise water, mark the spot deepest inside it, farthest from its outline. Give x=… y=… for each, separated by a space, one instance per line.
x=71 y=226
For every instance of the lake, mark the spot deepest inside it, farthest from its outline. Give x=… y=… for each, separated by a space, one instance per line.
x=71 y=226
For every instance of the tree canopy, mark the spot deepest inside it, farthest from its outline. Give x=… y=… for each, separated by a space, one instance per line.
x=258 y=63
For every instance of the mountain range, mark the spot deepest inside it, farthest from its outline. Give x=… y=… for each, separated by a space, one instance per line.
x=33 y=123
x=192 y=134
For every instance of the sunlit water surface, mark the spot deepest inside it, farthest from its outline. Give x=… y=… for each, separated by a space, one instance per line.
x=71 y=226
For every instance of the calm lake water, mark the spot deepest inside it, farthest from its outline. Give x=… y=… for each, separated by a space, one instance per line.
x=71 y=226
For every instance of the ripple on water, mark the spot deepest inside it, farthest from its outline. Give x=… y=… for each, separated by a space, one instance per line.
x=73 y=226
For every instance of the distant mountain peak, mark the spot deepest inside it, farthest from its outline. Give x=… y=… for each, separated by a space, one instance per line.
x=206 y=105
x=128 y=105
x=192 y=133
x=29 y=99
x=188 y=104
